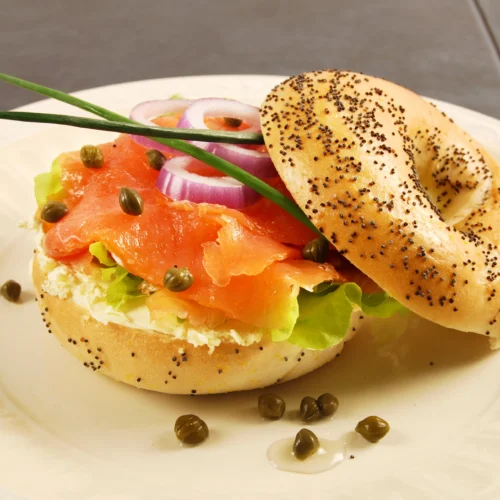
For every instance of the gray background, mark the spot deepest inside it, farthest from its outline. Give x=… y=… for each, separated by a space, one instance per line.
x=448 y=49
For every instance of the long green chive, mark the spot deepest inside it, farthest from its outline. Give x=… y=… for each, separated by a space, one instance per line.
x=184 y=147
x=63 y=97
x=131 y=128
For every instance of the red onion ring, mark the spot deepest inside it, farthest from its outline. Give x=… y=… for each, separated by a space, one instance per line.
x=214 y=107
x=145 y=111
x=179 y=184
x=254 y=162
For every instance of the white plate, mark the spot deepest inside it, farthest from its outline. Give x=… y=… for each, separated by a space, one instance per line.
x=66 y=433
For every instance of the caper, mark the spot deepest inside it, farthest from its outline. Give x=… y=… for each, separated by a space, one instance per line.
x=309 y=409
x=316 y=250
x=190 y=429
x=91 y=156
x=373 y=428
x=328 y=404
x=156 y=158
x=53 y=211
x=232 y=122
x=11 y=290
x=306 y=444
x=271 y=406
x=178 y=279
x=131 y=201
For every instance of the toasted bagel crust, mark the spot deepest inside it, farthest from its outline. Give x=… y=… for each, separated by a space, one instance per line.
x=400 y=190
x=154 y=361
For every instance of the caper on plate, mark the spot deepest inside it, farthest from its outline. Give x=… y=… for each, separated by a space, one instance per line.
x=327 y=404
x=309 y=409
x=11 y=290
x=373 y=428
x=271 y=406
x=306 y=444
x=190 y=429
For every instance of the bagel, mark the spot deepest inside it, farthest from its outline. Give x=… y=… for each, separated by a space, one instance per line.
x=162 y=363
x=397 y=187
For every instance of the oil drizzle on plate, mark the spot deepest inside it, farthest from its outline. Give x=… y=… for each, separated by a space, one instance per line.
x=330 y=454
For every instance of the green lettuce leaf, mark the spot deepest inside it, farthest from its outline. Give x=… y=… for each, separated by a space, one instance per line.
x=108 y=273
x=315 y=320
x=123 y=291
x=100 y=252
x=289 y=316
x=324 y=315
x=123 y=288
x=48 y=183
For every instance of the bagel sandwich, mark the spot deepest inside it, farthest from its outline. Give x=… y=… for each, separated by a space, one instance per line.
x=201 y=297
x=181 y=358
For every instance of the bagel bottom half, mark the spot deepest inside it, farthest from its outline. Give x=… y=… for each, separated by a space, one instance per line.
x=158 y=362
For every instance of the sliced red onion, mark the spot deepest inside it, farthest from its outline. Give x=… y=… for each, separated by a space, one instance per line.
x=254 y=162
x=213 y=107
x=179 y=184
x=258 y=164
x=146 y=111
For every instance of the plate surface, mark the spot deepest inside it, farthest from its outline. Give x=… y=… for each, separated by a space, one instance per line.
x=66 y=433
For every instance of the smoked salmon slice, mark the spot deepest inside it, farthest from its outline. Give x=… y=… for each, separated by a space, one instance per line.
x=246 y=264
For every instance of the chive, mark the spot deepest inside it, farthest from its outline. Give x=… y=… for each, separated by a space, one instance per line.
x=62 y=96
x=214 y=161
x=137 y=129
